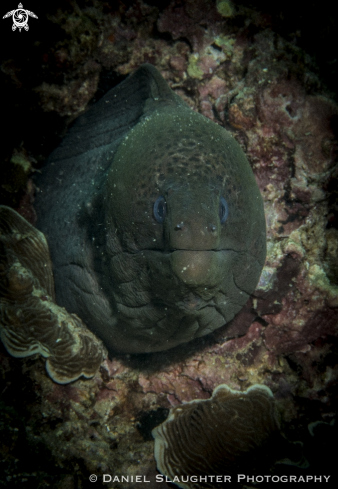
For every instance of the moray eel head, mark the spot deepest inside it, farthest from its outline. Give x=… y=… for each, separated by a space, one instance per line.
x=154 y=220
x=182 y=208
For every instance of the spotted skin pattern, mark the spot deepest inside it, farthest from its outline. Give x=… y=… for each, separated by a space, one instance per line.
x=140 y=284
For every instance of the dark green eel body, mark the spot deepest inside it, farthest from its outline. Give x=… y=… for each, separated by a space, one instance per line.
x=153 y=217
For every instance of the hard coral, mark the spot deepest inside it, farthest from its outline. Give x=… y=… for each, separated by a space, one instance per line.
x=230 y=433
x=30 y=321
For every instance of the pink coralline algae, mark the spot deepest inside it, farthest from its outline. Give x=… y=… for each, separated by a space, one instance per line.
x=239 y=73
x=187 y=19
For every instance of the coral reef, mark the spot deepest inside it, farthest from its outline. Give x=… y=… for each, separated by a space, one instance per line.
x=262 y=86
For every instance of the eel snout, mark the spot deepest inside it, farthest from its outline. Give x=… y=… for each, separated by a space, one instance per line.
x=198 y=268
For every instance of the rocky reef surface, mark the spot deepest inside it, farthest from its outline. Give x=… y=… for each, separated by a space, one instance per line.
x=228 y=62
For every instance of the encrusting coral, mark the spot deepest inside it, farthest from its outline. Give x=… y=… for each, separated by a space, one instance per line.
x=227 y=434
x=30 y=322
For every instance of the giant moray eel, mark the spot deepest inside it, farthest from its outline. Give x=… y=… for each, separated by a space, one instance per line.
x=153 y=217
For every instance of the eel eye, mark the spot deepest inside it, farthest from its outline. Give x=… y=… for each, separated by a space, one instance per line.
x=160 y=209
x=223 y=210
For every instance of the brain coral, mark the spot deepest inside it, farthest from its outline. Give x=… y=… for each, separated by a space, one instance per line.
x=30 y=322
x=230 y=432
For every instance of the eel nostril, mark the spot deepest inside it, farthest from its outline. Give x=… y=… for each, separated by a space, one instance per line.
x=212 y=228
x=179 y=227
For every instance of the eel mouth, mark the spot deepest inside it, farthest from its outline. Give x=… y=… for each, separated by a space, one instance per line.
x=192 y=304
